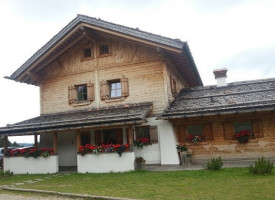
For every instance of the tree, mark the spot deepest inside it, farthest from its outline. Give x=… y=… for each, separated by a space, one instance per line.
x=14 y=144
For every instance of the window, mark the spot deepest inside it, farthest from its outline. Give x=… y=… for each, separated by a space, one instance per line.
x=255 y=127
x=85 y=138
x=150 y=132
x=173 y=85
x=104 y=49
x=243 y=126
x=115 y=89
x=87 y=53
x=81 y=93
x=195 y=130
x=187 y=132
x=109 y=136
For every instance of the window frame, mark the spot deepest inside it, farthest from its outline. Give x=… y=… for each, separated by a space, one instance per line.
x=77 y=93
x=83 y=57
x=156 y=141
x=100 y=45
x=115 y=81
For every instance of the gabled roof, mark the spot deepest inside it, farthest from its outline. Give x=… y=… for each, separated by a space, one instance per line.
x=76 y=29
x=237 y=97
x=93 y=118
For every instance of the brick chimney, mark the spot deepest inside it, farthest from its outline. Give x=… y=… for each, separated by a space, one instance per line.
x=220 y=75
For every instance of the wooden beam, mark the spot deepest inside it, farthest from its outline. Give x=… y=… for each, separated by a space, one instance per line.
x=35 y=141
x=47 y=53
x=78 y=140
x=60 y=52
x=130 y=139
x=55 y=143
x=33 y=76
x=144 y=41
x=5 y=144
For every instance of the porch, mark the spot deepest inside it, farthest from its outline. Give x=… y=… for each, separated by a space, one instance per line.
x=67 y=133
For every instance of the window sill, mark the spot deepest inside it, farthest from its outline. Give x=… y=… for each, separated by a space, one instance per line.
x=104 y=55
x=86 y=59
x=114 y=99
x=82 y=103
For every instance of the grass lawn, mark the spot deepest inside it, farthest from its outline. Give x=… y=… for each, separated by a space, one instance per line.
x=228 y=183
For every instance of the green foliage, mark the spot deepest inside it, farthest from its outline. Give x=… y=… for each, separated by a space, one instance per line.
x=262 y=166
x=5 y=174
x=214 y=164
x=181 y=148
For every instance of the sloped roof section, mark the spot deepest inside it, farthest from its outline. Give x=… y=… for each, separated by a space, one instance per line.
x=76 y=26
x=93 y=118
x=237 y=97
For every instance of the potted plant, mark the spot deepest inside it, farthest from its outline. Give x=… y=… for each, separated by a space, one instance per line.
x=140 y=163
x=182 y=150
x=243 y=136
x=188 y=159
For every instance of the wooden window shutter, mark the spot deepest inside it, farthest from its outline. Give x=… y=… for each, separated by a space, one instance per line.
x=181 y=133
x=71 y=94
x=124 y=87
x=208 y=131
x=90 y=92
x=98 y=140
x=104 y=90
x=228 y=131
x=119 y=136
x=153 y=134
x=258 y=128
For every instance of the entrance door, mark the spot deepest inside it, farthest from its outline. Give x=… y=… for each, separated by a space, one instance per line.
x=66 y=149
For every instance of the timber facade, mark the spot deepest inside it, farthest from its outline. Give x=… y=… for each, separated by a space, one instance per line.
x=103 y=83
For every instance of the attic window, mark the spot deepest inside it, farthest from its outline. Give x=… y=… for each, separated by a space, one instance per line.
x=104 y=49
x=87 y=53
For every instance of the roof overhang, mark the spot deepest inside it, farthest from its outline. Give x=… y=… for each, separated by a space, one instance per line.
x=124 y=115
x=78 y=29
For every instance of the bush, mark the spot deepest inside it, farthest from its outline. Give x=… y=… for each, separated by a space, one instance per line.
x=5 y=174
x=214 y=164
x=262 y=166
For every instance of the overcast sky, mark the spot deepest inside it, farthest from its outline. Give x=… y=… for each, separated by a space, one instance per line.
x=238 y=35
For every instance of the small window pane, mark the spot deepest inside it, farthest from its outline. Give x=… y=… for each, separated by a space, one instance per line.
x=142 y=132
x=116 y=89
x=242 y=126
x=82 y=93
x=104 y=49
x=195 y=130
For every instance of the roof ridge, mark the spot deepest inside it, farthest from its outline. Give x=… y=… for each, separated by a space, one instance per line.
x=236 y=83
x=134 y=29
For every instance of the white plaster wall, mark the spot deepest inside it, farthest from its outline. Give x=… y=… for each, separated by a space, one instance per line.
x=40 y=165
x=105 y=162
x=150 y=153
x=66 y=149
x=167 y=144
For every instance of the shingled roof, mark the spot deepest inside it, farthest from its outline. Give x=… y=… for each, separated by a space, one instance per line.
x=108 y=116
x=77 y=24
x=237 y=97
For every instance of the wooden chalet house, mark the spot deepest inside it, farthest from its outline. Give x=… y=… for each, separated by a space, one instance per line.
x=103 y=83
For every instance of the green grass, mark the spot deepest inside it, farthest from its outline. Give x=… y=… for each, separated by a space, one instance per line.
x=228 y=183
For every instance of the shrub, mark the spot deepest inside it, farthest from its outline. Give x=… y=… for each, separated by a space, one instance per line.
x=5 y=174
x=262 y=166
x=214 y=164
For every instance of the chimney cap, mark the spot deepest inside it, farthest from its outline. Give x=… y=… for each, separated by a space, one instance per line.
x=220 y=73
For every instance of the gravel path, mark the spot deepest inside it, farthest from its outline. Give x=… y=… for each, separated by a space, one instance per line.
x=31 y=197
